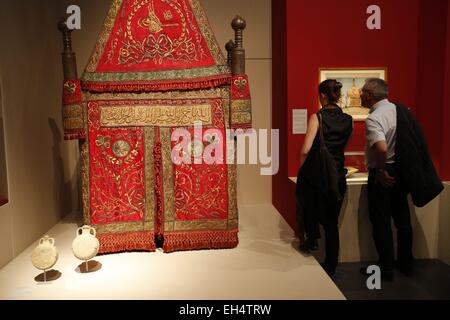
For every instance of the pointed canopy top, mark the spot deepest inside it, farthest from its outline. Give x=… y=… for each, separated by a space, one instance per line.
x=155 y=45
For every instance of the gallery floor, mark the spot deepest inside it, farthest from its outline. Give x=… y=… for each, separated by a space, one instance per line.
x=265 y=265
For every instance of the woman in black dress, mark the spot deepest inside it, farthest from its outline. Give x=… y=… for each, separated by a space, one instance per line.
x=315 y=206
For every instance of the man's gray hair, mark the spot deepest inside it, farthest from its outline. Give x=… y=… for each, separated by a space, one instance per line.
x=377 y=87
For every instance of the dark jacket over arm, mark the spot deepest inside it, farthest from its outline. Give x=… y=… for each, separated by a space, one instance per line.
x=416 y=171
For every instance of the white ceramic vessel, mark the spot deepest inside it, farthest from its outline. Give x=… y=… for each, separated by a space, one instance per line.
x=86 y=245
x=45 y=255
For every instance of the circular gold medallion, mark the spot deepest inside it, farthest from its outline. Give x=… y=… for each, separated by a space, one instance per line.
x=121 y=148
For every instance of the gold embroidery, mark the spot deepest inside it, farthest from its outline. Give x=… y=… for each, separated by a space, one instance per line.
x=103 y=141
x=102 y=41
x=191 y=201
x=73 y=123
x=181 y=225
x=226 y=110
x=241 y=112
x=241 y=118
x=233 y=224
x=169 y=226
x=210 y=39
x=232 y=188
x=121 y=148
x=119 y=192
x=85 y=117
x=160 y=47
x=85 y=194
x=241 y=106
x=149 y=140
x=168 y=15
x=221 y=92
x=222 y=68
x=122 y=227
x=168 y=183
x=202 y=72
x=152 y=22
x=146 y=115
x=240 y=83
x=70 y=87
x=72 y=111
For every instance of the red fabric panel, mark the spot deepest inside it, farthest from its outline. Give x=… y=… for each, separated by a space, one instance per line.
x=201 y=190
x=71 y=98
x=240 y=88
x=71 y=92
x=155 y=36
x=117 y=186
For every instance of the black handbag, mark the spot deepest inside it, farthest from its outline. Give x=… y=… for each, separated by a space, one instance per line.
x=329 y=170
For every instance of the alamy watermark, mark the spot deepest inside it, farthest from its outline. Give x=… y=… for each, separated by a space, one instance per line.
x=374 y=20
x=73 y=21
x=210 y=146
x=374 y=280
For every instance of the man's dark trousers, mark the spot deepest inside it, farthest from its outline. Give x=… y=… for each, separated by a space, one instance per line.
x=384 y=204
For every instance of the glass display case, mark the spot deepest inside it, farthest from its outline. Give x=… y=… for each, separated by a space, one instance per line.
x=355 y=162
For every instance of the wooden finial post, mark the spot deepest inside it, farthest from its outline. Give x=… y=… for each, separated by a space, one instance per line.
x=68 y=56
x=238 y=60
x=229 y=47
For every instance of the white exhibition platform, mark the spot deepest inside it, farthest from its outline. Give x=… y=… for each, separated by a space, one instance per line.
x=265 y=266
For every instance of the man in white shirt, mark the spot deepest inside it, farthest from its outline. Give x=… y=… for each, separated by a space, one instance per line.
x=387 y=199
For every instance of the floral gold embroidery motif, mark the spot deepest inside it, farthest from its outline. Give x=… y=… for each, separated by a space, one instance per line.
x=240 y=83
x=103 y=141
x=117 y=184
x=70 y=87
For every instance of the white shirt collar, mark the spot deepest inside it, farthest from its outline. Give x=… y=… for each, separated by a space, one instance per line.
x=378 y=104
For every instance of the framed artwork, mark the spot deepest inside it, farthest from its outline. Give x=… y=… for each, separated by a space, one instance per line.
x=353 y=80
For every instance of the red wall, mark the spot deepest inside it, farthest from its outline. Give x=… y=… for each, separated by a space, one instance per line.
x=431 y=73
x=414 y=45
x=445 y=163
x=279 y=109
x=327 y=33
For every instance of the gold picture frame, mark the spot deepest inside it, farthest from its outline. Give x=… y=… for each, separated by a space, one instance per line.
x=352 y=80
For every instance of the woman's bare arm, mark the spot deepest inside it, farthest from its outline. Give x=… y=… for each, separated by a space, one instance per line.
x=311 y=132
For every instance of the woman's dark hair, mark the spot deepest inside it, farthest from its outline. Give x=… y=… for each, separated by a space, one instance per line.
x=332 y=89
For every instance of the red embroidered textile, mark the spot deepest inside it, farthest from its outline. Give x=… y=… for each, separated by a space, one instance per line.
x=155 y=38
x=155 y=45
x=241 y=106
x=72 y=111
x=132 y=107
